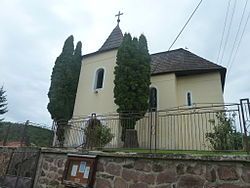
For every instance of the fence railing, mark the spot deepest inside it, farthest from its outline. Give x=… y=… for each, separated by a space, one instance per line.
x=245 y=115
x=18 y=166
x=183 y=128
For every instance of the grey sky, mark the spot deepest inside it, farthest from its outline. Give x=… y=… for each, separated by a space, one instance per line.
x=33 y=32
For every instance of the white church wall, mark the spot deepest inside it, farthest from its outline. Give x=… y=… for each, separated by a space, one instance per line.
x=177 y=131
x=89 y=100
x=205 y=88
x=166 y=89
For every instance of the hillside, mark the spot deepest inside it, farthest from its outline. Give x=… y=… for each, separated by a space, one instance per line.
x=36 y=136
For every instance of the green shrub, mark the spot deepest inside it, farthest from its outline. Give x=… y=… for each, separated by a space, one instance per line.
x=97 y=135
x=105 y=135
x=224 y=136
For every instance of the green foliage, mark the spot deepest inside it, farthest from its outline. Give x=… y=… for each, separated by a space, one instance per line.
x=36 y=136
x=97 y=135
x=76 y=69
x=64 y=81
x=58 y=106
x=224 y=137
x=3 y=102
x=132 y=80
x=105 y=135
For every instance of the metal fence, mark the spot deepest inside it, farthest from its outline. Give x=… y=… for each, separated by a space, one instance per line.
x=183 y=128
x=18 y=167
x=245 y=118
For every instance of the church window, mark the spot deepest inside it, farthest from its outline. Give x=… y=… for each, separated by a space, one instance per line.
x=153 y=98
x=189 y=99
x=99 y=78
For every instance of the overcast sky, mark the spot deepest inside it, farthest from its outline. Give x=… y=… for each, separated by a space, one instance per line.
x=33 y=32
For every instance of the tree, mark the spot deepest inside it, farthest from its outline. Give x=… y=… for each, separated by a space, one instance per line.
x=132 y=80
x=3 y=102
x=75 y=68
x=64 y=81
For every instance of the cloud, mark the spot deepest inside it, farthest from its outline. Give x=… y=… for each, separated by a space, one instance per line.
x=33 y=33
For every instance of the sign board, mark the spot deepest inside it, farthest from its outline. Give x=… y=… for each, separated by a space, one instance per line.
x=80 y=170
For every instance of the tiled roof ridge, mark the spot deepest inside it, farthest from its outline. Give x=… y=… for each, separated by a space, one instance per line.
x=170 y=51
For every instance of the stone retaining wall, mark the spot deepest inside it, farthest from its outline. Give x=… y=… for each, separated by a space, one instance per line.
x=149 y=171
x=145 y=171
x=158 y=173
x=50 y=170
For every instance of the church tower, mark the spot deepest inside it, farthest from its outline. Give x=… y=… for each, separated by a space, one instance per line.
x=95 y=87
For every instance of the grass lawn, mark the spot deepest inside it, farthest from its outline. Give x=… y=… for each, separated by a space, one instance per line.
x=188 y=152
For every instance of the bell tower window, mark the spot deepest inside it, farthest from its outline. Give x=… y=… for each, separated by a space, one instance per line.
x=99 y=79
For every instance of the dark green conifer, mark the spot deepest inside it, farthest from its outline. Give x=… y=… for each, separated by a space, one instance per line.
x=75 y=70
x=64 y=81
x=132 y=80
x=3 y=102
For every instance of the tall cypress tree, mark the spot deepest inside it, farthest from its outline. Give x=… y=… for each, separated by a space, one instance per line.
x=132 y=80
x=3 y=102
x=64 y=80
x=75 y=73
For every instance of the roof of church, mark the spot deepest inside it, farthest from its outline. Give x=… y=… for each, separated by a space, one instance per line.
x=114 y=40
x=182 y=62
x=179 y=61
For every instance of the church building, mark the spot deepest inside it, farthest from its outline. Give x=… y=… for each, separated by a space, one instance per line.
x=179 y=79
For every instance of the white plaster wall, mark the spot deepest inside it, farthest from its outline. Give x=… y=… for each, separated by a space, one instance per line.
x=87 y=100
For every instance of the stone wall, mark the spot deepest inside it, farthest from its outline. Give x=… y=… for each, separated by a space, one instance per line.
x=171 y=173
x=150 y=171
x=145 y=171
x=50 y=169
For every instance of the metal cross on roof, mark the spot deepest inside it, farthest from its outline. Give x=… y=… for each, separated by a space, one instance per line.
x=118 y=15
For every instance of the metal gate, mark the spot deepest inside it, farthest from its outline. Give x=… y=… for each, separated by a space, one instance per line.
x=245 y=115
x=21 y=168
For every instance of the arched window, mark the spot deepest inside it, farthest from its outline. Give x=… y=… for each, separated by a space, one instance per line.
x=189 y=99
x=99 y=78
x=153 y=98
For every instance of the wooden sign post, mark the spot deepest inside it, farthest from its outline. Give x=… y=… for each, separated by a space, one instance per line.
x=80 y=171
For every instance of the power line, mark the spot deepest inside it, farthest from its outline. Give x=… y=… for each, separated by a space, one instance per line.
x=236 y=37
x=180 y=31
x=242 y=34
x=185 y=24
x=224 y=28
x=228 y=33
